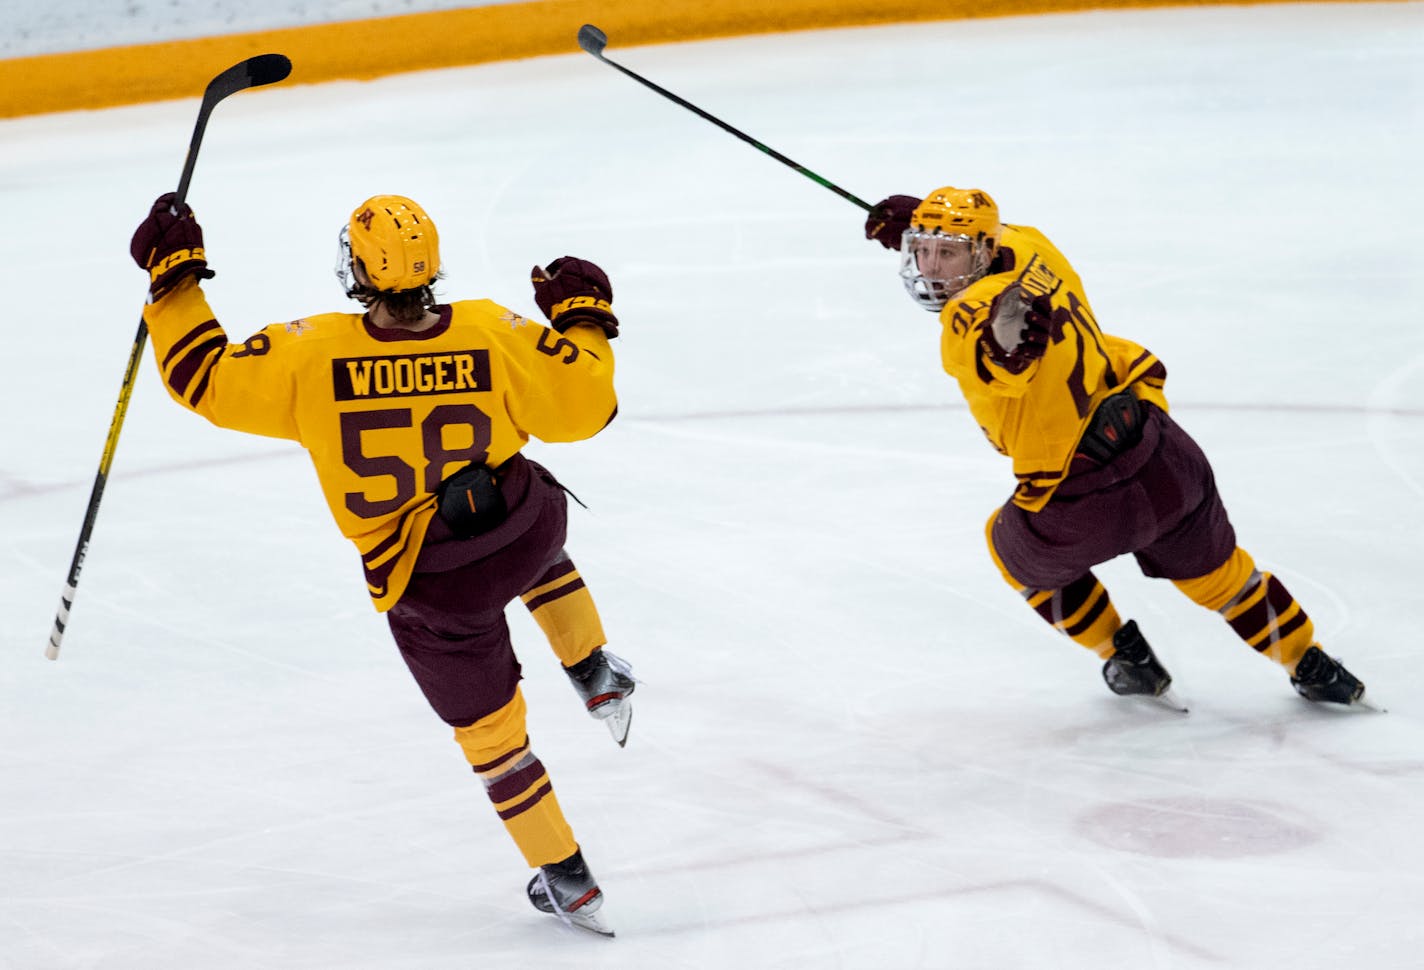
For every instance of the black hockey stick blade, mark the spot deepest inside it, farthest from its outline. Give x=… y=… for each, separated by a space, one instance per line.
x=251 y=73
x=594 y=40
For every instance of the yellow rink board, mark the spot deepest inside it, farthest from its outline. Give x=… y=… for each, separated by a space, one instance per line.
x=365 y=49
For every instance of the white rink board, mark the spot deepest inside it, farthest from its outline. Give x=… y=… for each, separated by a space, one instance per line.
x=74 y=25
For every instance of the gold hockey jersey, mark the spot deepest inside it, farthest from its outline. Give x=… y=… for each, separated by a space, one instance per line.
x=1037 y=416
x=386 y=415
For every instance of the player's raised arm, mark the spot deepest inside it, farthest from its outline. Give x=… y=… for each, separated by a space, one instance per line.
x=240 y=386
x=570 y=393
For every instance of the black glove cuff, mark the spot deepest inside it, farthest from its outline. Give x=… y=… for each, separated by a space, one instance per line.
x=165 y=284
x=604 y=320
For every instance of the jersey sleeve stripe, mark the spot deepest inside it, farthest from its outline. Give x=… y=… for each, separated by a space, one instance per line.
x=188 y=338
x=199 y=359
x=202 y=386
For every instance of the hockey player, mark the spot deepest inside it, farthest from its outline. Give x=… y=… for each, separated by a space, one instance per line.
x=414 y=414
x=1102 y=469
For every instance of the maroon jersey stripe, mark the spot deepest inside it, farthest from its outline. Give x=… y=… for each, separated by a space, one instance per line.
x=188 y=338
x=376 y=576
x=201 y=387
x=201 y=356
x=382 y=547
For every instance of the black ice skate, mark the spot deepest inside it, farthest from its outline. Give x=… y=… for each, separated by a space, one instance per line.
x=1322 y=678
x=605 y=681
x=568 y=890
x=1134 y=669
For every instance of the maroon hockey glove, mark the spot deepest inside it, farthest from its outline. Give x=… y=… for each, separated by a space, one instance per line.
x=889 y=219
x=1038 y=327
x=169 y=245
x=574 y=291
x=1018 y=333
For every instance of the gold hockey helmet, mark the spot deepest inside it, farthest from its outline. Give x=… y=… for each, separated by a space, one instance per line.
x=395 y=241
x=962 y=212
x=949 y=245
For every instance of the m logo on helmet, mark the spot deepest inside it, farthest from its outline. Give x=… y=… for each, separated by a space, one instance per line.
x=365 y=219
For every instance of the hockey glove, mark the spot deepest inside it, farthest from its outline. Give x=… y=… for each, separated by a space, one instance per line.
x=889 y=219
x=169 y=245
x=1018 y=333
x=574 y=291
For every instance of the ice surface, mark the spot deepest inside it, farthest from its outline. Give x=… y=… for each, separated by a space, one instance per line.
x=854 y=746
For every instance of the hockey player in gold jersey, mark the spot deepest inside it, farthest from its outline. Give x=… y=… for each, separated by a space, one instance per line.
x=1102 y=470
x=414 y=414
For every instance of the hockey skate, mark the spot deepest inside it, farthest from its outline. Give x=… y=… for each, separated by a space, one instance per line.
x=567 y=890
x=1134 y=669
x=604 y=681
x=1321 y=678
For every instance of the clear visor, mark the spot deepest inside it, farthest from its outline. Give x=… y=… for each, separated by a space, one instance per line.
x=344 y=273
x=934 y=266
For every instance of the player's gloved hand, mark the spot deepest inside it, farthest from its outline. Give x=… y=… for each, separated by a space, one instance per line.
x=889 y=218
x=571 y=291
x=1038 y=326
x=169 y=245
x=1018 y=332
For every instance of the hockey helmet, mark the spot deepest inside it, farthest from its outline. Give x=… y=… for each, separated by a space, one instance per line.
x=949 y=245
x=395 y=241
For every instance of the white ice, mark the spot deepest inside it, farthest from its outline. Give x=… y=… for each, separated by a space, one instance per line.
x=854 y=747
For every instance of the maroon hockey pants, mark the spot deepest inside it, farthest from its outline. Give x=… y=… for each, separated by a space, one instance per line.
x=1157 y=501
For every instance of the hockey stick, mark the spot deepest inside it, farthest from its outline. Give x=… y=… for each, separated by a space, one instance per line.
x=593 y=40
x=251 y=73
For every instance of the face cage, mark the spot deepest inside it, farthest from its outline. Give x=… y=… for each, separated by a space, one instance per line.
x=345 y=273
x=933 y=292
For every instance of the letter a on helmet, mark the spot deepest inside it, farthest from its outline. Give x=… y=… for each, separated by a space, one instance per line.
x=395 y=241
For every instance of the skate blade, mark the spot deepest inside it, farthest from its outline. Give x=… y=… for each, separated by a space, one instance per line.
x=1368 y=703
x=1167 y=699
x=619 y=721
x=592 y=923
x=1363 y=702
